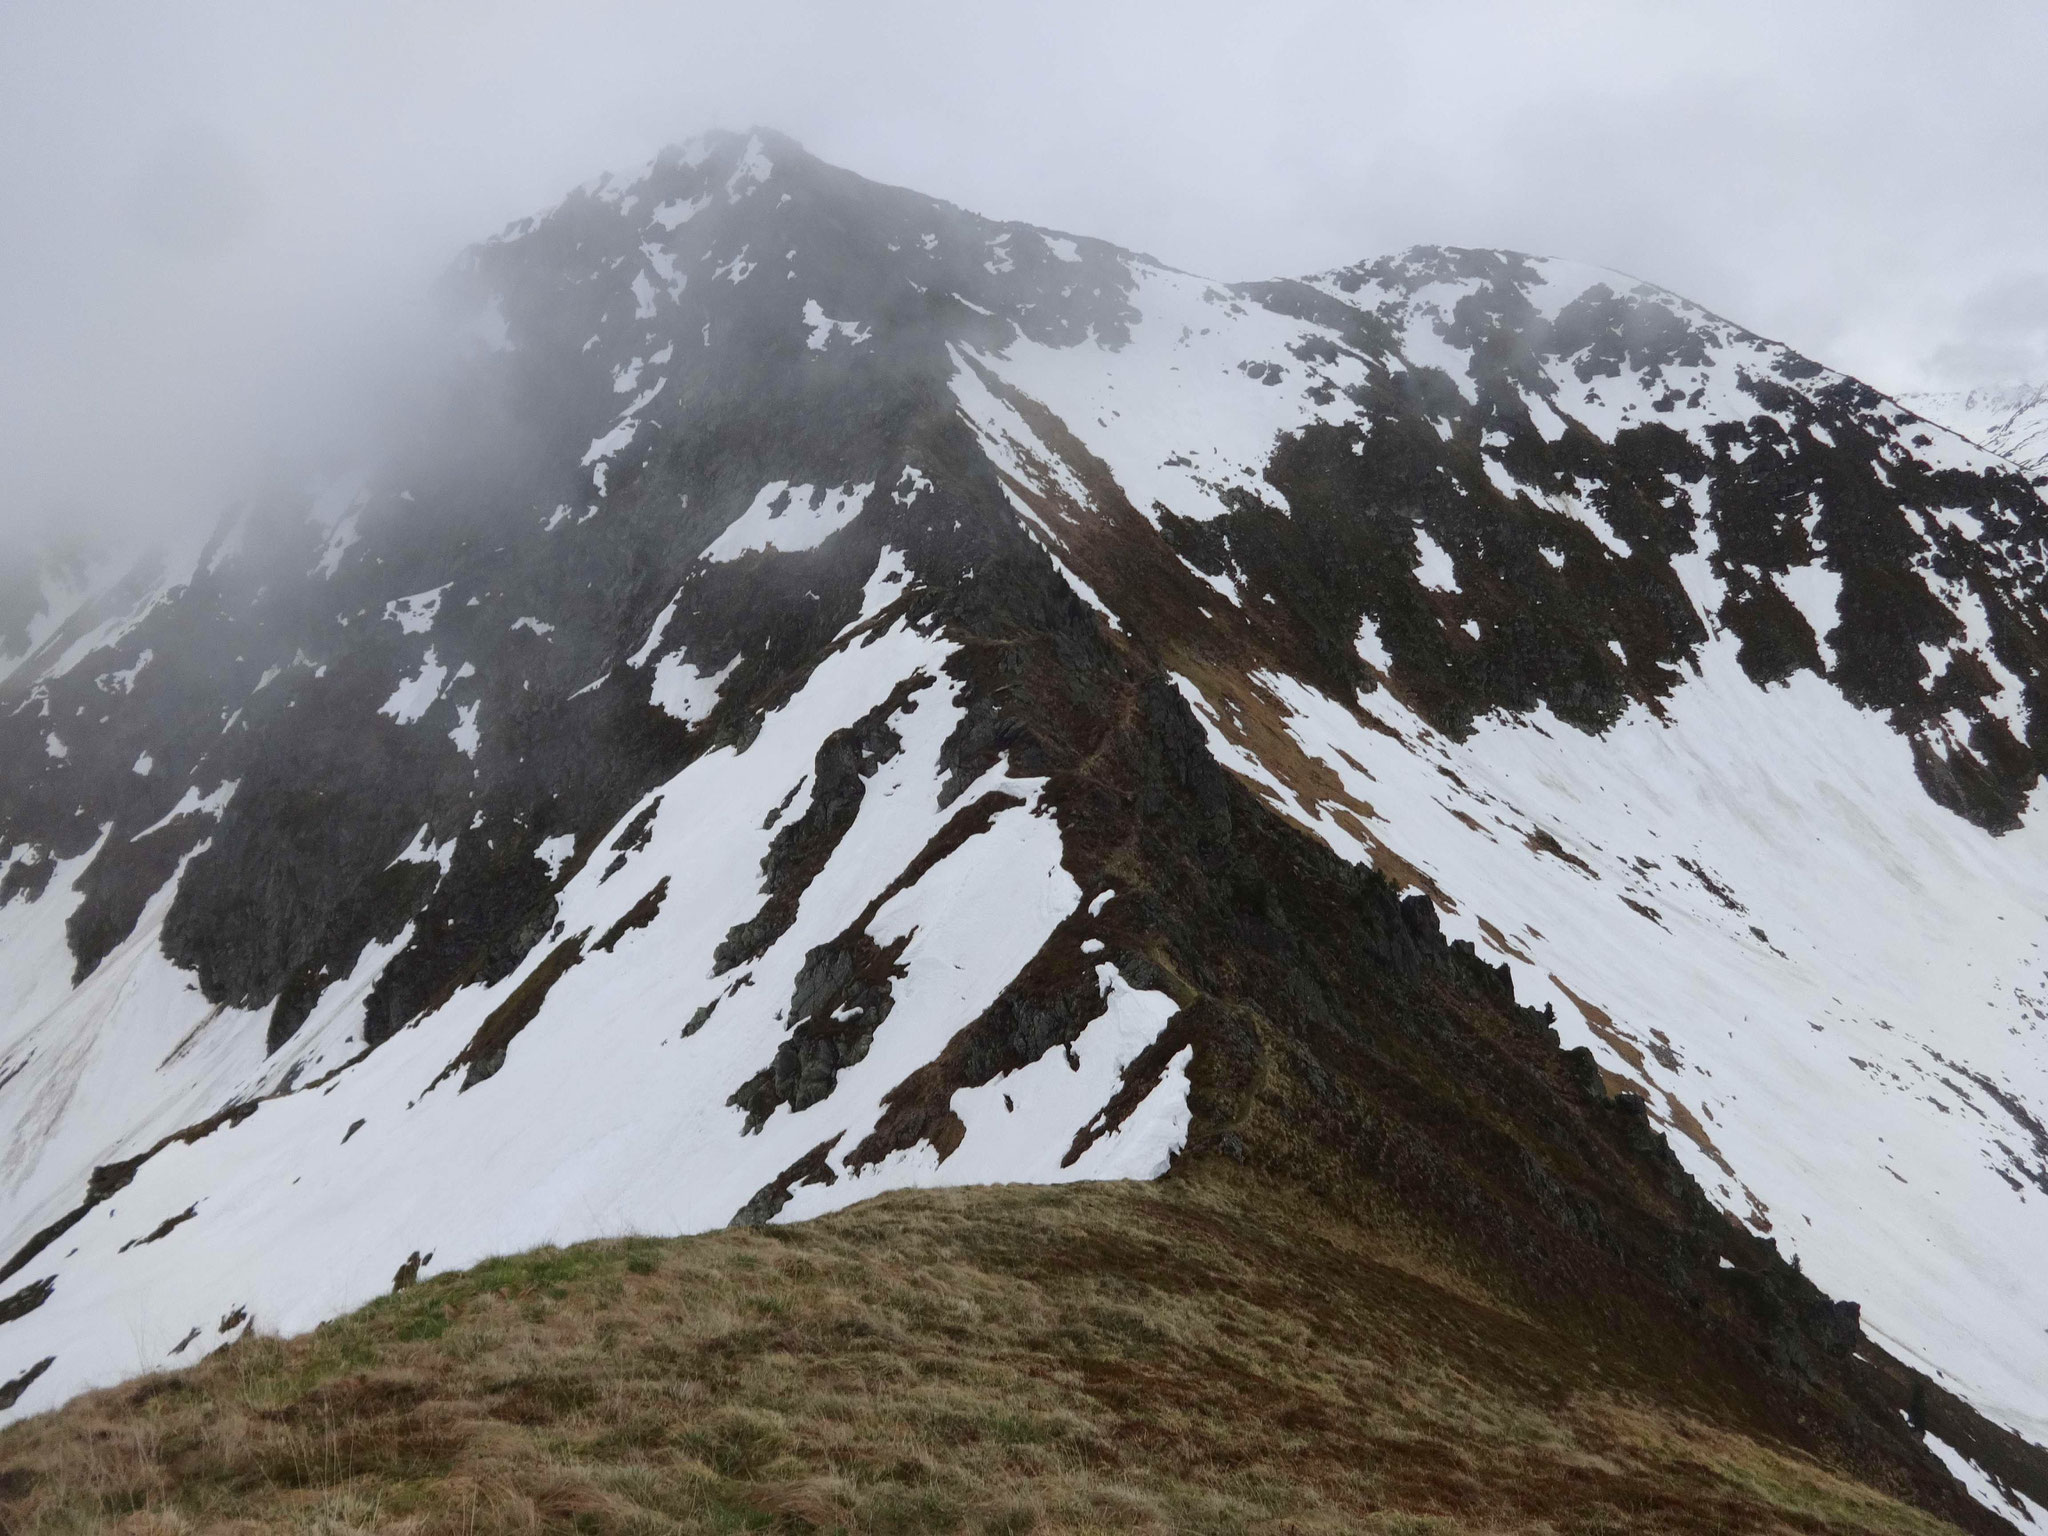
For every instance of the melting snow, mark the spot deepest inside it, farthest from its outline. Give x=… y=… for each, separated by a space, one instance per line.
x=122 y=680
x=1816 y=592
x=754 y=168
x=471 y=1173
x=416 y=614
x=672 y=216
x=887 y=582
x=647 y=646
x=621 y=434
x=338 y=543
x=411 y=698
x=785 y=517
x=823 y=328
x=664 y=266
x=908 y=484
x=465 y=735
x=684 y=691
x=1434 y=570
x=421 y=850
x=1371 y=647
x=737 y=270
x=192 y=803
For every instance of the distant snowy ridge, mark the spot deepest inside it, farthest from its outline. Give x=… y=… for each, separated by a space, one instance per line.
x=2010 y=419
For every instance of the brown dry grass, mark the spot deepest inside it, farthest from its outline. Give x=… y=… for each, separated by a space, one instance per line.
x=1211 y=1354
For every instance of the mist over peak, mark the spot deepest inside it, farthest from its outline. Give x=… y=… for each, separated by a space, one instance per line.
x=222 y=225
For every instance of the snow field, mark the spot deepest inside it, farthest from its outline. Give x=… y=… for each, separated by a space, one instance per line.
x=605 y=1117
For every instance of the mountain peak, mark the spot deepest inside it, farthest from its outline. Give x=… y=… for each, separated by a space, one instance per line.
x=851 y=693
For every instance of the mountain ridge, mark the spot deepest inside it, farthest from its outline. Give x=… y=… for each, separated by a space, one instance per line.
x=2010 y=419
x=1115 y=605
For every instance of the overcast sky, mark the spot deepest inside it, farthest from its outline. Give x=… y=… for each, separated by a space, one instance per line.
x=214 y=219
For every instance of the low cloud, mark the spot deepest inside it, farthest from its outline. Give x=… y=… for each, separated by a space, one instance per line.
x=222 y=222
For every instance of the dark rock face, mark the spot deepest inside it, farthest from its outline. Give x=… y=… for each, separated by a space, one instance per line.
x=408 y=723
x=1828 y=478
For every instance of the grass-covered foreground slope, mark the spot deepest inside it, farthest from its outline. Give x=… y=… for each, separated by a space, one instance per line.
x=1208 y=1353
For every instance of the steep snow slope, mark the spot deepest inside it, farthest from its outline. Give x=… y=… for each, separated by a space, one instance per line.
x=458 y=1151
x=1829 y=989
x=2011 y=420
x=680 y=785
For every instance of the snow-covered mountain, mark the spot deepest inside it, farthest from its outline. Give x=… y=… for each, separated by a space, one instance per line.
x=2009 y=419
x=760 y=746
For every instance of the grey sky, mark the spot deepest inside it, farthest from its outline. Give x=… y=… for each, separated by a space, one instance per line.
x=214 y=219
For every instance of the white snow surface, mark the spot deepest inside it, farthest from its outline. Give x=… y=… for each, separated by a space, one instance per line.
x=465 y=735
x=192 y=803
x=415 y=695
x=296 y=1219
x=2009 y=419
x=1434 y=569
x=671 y=216
x=685 y=691
x=823 y=327
x=555 y=852
x=785 y=517
x=1823 y=1039
x=415 y=615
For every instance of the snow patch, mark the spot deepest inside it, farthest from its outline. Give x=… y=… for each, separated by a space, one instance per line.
x=1434 y=569
x=192 y=803
x=908 y=485
x=1371 y=647
x=415 y=614
x=423 y=850
x=753 y=169
x=555 y=851
x=465 y=735
x=784 y=518
x=653 y=640
x=672 y=216
x=885 y=584
x=823 y=328
x=413 y=695
x=684 y=691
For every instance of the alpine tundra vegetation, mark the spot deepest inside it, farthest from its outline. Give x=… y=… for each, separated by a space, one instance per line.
x=1511 y=796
